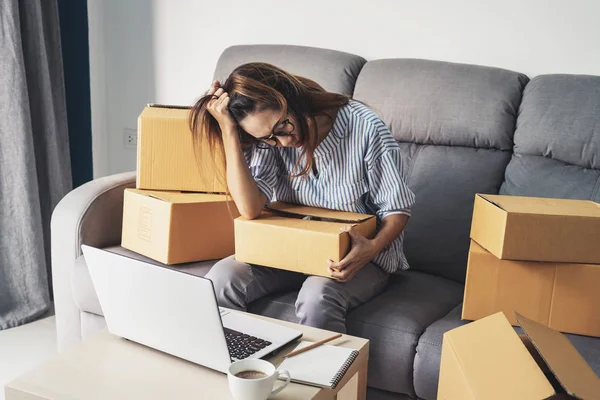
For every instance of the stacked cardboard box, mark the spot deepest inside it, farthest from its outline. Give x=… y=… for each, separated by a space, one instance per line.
x=167 y=158
x=174 y=227
x=537 y=256
x=487 y=360
x=179 y=212
x=533 y=263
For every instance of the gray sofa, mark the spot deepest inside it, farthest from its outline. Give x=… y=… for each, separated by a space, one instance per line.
x=463 y=129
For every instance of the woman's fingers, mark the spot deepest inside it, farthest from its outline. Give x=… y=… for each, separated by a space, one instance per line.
x=218 y=98
x=225 y=103
x=218 y=107
x=219 y=102
x=213 y=88
x=219 y=92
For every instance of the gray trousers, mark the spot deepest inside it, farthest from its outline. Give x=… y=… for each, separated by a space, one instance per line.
x=322 y=302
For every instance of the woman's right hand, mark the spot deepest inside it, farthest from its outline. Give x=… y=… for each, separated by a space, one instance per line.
x=217 y=107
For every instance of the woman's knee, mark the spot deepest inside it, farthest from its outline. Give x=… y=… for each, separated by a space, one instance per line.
x=317 y=294
x=230 y=278
x=319 y=304
x=227 y=270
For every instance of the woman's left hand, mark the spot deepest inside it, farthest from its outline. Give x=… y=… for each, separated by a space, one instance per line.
x=361 y=253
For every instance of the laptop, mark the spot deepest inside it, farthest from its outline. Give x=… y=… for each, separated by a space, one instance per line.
x=177 y=313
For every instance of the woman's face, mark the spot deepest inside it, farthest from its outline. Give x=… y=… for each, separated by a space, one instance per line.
x=274 y=127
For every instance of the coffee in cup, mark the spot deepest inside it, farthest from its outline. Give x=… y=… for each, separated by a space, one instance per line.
x=253 y=379
x=251 y=374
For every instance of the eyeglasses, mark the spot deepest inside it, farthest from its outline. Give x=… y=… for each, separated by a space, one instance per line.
x=284 y=128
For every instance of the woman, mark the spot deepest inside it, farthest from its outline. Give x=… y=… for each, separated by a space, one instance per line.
x=285 y=138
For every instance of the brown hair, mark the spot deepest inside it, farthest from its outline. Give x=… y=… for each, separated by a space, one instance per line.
x=260 y=86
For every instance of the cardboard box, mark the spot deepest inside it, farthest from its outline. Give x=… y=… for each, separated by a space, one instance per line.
x=537 y=229
x=167 y=159
x=487 y=360
x=280 y=238
x=174 y=228
x=559 y=295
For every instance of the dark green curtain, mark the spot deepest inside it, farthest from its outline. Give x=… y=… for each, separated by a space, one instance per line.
x=76 y=63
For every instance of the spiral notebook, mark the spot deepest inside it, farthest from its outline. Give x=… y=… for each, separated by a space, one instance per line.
x=323 y=366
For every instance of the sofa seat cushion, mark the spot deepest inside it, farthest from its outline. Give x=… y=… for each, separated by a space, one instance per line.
x=392 y=321
x=429 y=352
x=83 y=289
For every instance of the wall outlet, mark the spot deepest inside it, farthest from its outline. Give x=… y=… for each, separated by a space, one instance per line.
x=130 y=138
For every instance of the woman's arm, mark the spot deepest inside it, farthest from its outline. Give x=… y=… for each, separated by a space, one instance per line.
x=364 y=250
x=391 y=227
x=248 y=199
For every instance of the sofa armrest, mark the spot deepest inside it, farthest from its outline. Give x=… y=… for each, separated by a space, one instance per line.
x=92 y=214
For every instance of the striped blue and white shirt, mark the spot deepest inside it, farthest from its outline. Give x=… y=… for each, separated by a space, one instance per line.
x=359 y=169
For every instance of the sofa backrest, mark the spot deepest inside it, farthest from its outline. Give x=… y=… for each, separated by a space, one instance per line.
x=336 y=71
x=557 y=141
x=455 y=125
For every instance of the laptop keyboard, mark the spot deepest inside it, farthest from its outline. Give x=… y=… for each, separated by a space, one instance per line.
x=243 y=346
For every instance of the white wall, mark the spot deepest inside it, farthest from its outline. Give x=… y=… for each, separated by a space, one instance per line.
x=122 y=78
x=182 y=40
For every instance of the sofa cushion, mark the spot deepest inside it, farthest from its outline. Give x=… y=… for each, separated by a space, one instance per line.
x=392 y=321
x=429 y=352
x=377 y=394
x=589 y=348
x=536 y=176
x=442 y=103
x=560 y=119
x=557 y=140
x=445 y=180
x=336 y=71
x=455 y=125
x=84 y=293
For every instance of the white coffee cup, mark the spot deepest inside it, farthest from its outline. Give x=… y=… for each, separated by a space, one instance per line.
x=255 y=389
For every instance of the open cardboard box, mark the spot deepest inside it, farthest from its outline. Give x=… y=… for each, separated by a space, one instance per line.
x=174 y=227
x=281 y=238
x=488 y=360
x=537 y=229
x=166 y=157
x=563 y=296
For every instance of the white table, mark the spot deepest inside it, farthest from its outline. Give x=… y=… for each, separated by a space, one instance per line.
x=109 y=367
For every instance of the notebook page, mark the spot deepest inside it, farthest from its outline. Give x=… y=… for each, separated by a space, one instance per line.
x=323 y=366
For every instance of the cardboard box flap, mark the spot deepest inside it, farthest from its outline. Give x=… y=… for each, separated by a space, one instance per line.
x=156 y=105
x=160 y=111
x=490 y=354
x=291 y=222
x=180 y=197
x=570 y=369
x=328 y=215
x=546 y=206
x=476 y=248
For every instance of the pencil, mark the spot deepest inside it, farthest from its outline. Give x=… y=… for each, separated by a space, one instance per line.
x=312 y=346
